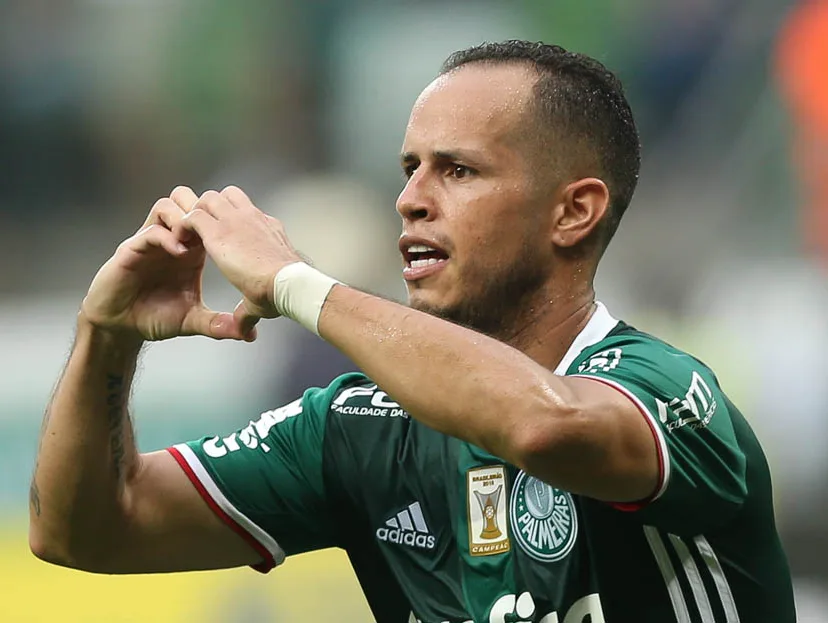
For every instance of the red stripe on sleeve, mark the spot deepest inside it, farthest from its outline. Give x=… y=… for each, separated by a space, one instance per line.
x=267 y=558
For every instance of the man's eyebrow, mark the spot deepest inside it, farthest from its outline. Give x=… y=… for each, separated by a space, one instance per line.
x=440 y=154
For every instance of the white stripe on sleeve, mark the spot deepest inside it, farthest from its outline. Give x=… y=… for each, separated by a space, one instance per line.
x=221 y=500
x=654 y=425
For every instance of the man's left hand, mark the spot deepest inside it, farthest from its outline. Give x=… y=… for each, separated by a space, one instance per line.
x=247 y=245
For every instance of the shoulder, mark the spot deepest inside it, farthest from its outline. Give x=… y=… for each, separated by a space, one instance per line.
x=354 y=394
x=662 y=379
x=626 y=348
x=323 y=397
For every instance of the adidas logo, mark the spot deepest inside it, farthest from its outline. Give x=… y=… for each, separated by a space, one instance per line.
x=408 y=527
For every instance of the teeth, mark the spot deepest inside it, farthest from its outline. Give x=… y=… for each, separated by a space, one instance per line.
x=419 y=248
x=423 y=263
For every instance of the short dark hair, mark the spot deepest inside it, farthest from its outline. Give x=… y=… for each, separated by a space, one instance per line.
x=583 y=101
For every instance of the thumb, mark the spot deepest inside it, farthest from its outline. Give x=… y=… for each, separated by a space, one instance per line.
x=246 y=317
x=216 y=325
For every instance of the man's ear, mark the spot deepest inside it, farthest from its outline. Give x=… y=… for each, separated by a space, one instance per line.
x=582 y=206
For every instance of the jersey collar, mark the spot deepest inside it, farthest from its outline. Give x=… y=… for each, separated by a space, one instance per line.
x=595 y=330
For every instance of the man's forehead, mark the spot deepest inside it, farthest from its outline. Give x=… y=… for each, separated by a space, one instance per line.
x=476 y=98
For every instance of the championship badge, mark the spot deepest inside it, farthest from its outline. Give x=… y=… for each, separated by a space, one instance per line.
x=486 y=507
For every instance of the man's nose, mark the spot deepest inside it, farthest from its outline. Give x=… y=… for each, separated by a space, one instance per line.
x=416 y=201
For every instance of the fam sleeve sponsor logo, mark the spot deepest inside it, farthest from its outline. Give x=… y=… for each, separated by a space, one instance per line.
x=521 y=609
x=694 y=409
x=486 y=507
x=380 y=404
x=544 y=519
x=254 y=434
x=605 y=361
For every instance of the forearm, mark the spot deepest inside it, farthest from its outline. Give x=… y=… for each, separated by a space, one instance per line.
x=450 y=378
x=87 y=449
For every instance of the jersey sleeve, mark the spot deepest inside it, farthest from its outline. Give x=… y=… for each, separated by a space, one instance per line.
x=266 y=480
x=702 y=467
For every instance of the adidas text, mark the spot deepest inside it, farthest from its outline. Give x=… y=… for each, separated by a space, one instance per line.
x=395 y=535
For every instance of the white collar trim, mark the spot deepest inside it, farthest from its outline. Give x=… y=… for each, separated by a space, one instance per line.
x=595 y=330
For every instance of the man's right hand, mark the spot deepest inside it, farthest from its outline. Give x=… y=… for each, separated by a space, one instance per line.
x=150 y=289
x=96 y=503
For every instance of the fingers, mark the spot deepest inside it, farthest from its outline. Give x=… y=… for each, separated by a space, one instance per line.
x=215 y=204
x=165 y=212
x=217 y=325
x=221 y=204
x=246 y=317
x=155 y=236
x=199 y=222
x=184 y=197
x=237 y=197
x=202 y=215
x=170 y=210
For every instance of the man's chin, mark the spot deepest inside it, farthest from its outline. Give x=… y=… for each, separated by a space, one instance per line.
x=423 y=304
x=452 y=313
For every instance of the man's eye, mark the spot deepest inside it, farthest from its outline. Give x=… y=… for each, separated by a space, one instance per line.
x=458 y=171
x=408 y=170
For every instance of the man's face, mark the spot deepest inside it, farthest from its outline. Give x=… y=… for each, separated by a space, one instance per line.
x=472 y=198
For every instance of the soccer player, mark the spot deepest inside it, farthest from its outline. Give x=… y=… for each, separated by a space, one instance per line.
x=511 y=451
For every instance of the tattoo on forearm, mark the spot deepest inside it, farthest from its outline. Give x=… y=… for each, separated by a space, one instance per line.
x=34 y=498
x=34 y=490
x=116 y=415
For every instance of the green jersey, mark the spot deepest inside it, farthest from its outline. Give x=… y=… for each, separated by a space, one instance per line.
x=438 y=530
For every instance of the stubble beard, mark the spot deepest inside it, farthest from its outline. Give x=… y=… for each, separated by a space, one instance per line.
x=499 y=301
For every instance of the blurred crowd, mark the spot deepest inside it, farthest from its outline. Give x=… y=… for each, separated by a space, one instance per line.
x=106 y=106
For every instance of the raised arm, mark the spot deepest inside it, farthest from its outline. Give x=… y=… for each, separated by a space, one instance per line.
x=95 y=502
x=575 y=433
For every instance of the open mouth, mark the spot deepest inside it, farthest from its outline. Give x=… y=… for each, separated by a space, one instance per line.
x=421 y=259
x=420 y=256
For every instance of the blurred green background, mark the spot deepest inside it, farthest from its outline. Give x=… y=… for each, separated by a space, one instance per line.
x=107 y=105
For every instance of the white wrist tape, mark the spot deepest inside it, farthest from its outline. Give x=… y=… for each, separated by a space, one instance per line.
x=299 y=291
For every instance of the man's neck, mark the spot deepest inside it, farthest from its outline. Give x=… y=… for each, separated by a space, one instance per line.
x=552 y=323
